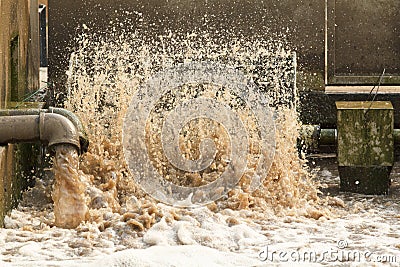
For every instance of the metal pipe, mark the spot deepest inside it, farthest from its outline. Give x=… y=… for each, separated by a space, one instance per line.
x=15 y=129
x=40 y=125
x=83 y=140
x=56 y=129
x=328 y=136
x=316 y=136
x=19 y=112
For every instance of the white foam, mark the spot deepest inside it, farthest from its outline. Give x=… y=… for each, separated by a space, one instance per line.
x=190 y=255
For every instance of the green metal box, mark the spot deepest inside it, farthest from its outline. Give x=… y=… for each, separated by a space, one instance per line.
x=365 y=146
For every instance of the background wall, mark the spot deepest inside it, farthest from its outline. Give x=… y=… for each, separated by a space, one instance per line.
x=19 y=75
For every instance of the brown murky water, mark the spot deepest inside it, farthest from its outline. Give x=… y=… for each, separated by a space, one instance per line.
x=70 y=207
x=103 y=76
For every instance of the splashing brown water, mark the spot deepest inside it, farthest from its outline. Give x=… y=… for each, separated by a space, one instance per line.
x=104 y=74
x=70 y=207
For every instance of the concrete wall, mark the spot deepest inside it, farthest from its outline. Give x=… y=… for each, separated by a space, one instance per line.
x=19 y=75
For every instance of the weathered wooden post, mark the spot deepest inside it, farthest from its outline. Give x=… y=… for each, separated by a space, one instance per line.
x=365 y=146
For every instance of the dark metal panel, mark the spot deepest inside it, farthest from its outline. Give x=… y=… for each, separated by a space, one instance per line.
x=363 y=39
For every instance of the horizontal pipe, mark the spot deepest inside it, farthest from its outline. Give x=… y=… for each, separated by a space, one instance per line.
x=320 y=136
x=48 y=128
x=83 y=139
x=328 y=136
x=15 y=129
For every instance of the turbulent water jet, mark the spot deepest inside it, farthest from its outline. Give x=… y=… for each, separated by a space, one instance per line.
x=70 y=207
x=100 y=96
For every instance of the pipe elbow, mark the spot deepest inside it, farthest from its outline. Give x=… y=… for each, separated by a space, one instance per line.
x=56 y=129
x=83 y=138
